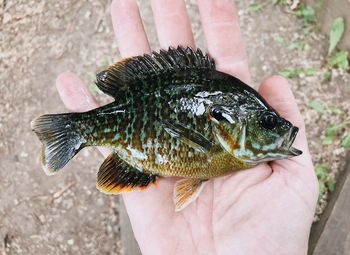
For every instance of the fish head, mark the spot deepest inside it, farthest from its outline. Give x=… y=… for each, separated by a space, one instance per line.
x=253 y=135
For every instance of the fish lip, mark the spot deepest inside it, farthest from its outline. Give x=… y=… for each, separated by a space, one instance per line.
x=291 y=135
x=295 y=152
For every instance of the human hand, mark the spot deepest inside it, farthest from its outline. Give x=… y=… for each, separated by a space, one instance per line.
x=264 y=210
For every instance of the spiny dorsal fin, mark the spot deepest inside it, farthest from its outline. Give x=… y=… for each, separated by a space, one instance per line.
x=116 y=176
x=132 y=70
x=186 y=191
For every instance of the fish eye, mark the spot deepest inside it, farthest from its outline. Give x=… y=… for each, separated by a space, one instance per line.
x=268 y=121
x=216 y=114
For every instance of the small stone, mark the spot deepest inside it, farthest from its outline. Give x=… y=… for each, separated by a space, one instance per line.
x=6 y=18
x=24 y=154
x=70 y=241
x=42 y=218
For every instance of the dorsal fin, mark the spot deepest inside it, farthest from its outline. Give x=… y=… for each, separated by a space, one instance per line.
x=133 y=70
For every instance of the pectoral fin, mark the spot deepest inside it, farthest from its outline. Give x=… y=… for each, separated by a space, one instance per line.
x=187 y=136
x=116 y=176
x=186 y=191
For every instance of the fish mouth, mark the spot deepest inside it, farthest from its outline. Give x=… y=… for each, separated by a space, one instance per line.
x=289 y=140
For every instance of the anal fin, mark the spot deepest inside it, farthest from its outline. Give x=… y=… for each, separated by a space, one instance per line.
x=116 y=176
x=186 y=191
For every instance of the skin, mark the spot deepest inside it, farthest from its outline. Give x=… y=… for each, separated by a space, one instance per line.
x=264 y=210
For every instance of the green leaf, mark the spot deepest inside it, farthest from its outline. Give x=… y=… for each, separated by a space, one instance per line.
x=327 y=75
x=255 y=7
x=293 y=72
x=279 y=39
x=321 y=189
x=340 y=59
x=317 y=105
x=289 y=73
x=309 y=71
x=330 y=184
x=346 y=141
x=321 y=170
x=329 y=136
x=335 y=110
x=336 y=34
x=299 y=46
x=307 y=13
x=331 y=132
x=328 y=140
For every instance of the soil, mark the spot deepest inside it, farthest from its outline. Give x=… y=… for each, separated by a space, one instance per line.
x=40 y=214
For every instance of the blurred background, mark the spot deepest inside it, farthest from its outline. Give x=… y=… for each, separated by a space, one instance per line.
x=305 y=41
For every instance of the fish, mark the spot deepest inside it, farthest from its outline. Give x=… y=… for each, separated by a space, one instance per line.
x=173 y=115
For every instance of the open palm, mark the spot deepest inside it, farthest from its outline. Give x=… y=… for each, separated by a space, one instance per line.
x=264 y=210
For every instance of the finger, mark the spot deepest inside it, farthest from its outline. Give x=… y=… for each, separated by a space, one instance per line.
x=74 y=94
x=279 y=95
x=223 y=36
x=128 y=28
x=76 y=97
x=172 y=23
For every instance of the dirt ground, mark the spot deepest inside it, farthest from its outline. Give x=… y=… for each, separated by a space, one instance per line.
x=65 y=214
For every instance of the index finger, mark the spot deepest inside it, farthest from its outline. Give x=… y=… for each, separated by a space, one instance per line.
x=128 y=28
x=223 y=36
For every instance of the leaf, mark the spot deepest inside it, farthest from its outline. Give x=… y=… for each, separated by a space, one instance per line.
x=327 y=75
x=346 y=141
x=299 y=45
x=320 y=170
x=331 y=132
x=336 y=34
x=328 y=140
x=279 y=39
x=306 y=12
x=289 y=73
x=317 y=105
x=293 y=72
x=335 y=110
x=309 y=71
x=340 y=59
x=330 y=184
x=255 y=7
x=329 y=136
x=321 y=187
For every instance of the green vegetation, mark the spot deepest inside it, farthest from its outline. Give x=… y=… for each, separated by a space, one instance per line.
x=321 y=107
x=300 y=45
x=332 y=132
x=340 y=59
x=336 y=33
x=326 y=182
x=306 y=12
x=335 y=59
x=256 y=6
x=294 y=72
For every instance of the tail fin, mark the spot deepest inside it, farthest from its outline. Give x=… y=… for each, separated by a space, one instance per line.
x=60 y=138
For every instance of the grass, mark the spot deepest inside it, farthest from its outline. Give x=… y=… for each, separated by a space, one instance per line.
x=326 y=182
